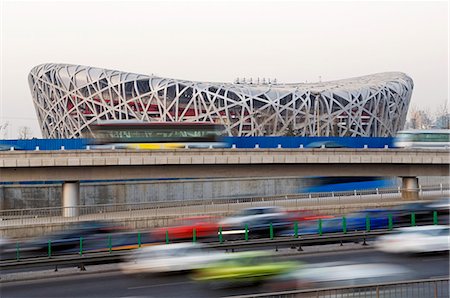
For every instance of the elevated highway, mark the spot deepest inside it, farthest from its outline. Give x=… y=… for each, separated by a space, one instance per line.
x=73 y=166
x=208 y=163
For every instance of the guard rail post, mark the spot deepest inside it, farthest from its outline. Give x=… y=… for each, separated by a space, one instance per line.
x=167 y=237
x=367 y=223
x=194 y=235
x=296 y=229
x=413 y=219
x=246 y=232
x=390 y=222
x=220 y=235
x=344 y=225
x=320 y=227
x=435 y=217
x=271 y=231
x=139 y=239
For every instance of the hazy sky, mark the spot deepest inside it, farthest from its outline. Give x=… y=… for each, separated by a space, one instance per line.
x=218 y=41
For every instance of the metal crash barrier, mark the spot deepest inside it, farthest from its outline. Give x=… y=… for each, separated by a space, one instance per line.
x=424 y=288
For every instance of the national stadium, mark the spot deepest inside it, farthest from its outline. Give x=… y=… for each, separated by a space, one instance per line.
x=69 y=98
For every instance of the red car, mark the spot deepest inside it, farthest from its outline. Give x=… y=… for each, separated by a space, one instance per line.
x=303 y=215
x=205 y=227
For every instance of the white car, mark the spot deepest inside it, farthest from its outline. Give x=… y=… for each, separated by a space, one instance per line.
x=332 y=274
x=252 y=214
x=420 y=239
x=170 y=258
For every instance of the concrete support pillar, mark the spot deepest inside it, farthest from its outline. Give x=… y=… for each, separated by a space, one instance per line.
x=70 y=198
x=410 y=188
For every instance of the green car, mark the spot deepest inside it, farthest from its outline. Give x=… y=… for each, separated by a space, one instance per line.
x=254 y=267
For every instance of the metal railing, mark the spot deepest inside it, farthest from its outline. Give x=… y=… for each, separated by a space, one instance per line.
x=92 y=246
x=424 y=288
x=321 y=203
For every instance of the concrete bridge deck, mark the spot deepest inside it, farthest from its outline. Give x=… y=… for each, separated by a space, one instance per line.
x=181 y=163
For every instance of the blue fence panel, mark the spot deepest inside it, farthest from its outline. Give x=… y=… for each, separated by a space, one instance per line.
x=295 y=142
x=240 y=142
x=44 y=144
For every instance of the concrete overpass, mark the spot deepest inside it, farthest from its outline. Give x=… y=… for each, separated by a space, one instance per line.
x=73 y=166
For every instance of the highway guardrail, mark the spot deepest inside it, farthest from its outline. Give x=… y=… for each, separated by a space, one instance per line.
x=86 y=257
x=433 y=287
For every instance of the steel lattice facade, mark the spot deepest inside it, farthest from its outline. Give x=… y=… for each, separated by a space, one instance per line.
x=69 y=98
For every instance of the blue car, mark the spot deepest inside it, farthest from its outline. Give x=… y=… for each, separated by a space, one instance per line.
x=379 y=219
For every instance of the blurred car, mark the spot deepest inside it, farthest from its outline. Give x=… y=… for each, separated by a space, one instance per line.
x=250 y=214
x=379 y=219
x=420 y=239
x=305 y=215
x=167 y=258
x=442 y=207
x=423 y=212
x=326 y=144
x=205 y=227
x=336 y=274
x=68 y=241
x=258 y=221
x=7 y=249
x=248 y=267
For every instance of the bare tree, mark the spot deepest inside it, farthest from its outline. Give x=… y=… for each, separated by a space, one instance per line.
x=443 y=116
x=24 y=133
x=420 y=119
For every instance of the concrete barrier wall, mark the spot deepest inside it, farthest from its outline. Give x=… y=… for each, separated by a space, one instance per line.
x=40 y=196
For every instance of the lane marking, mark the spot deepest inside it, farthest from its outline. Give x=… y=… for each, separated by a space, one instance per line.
x=161 y=285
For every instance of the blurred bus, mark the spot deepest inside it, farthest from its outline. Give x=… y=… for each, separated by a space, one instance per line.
x=329 y=184
x=154 y=135
x=427 y=139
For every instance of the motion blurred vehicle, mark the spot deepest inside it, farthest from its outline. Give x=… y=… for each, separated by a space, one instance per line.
x=329 y=184
x=206 y=227
x=326 y=144
x=305 y=215
x=442 y=207
x=68 y=241
x=250 y=214
x=423 y=139
x=257 y=220
x=7 y=249
x=420 y=239
x=246 y=267
x=336 y=274
x=378 y=218
x=166 y=258
x=423 y=212
x=130 y=134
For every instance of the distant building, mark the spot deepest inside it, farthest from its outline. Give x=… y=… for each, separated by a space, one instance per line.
x=69 y=98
